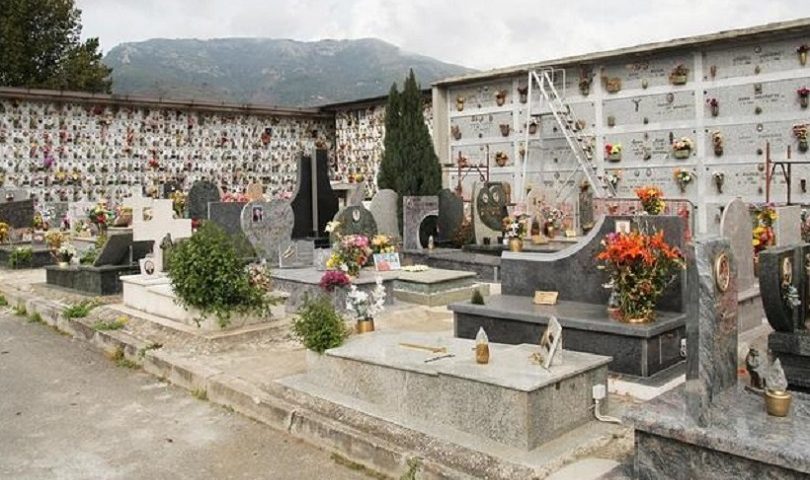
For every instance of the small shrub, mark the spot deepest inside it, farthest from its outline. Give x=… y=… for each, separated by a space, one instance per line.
x=3 y=301
x=116 y=324
x=200 y=394
x=477 y=298
x=208 y=274
x=121 y=359
x=35 y=317
x=20 y=257
x=80 y=310
x=318 y=326
x=151 y=346
x=20 y=310
x=89 y=256
x=413 y=468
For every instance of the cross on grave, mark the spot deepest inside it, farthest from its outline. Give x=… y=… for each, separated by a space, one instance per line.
x=137 y=203
x=158 y=223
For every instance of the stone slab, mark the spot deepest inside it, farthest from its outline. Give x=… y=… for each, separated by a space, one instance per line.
x=743 y=441
x=199 y=196
x=116 y=250
x=487 y=267
x=268 y=226
x=302 y=282
x=510 y=400
x=793 y=351
x=434 y=275
x=384 y=209
x=415 y=211
x=439 y=297
x=644 y=350
x=787 y=227
x=451 y=215
x=104 y=280
x=325 y=203
x=735 y=225
x=354 y=220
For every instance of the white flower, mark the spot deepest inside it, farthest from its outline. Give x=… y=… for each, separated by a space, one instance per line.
x=331 y=226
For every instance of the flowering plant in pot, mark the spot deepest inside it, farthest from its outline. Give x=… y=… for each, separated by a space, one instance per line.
x=515 y=228
x=640 y=267
x=64 y=254
x=763 y=235
x=552 y=220
x=363 y=306
x=350 y=254
x=682 y=148
x=652 y=199
x=800 y=132
x=803 y=94
x=679 y=75
x=714 y=106
x=333 y=279
x=101 y=216
x=381 y=243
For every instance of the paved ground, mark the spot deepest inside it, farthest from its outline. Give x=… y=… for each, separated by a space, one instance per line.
x=67 y=412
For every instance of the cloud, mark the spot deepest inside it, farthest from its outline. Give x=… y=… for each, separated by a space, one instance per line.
x=476 y=33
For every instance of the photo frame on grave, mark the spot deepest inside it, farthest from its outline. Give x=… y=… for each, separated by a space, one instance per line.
x=387 y=262
x=147 y=214
x=257 y=214
x=147 y=265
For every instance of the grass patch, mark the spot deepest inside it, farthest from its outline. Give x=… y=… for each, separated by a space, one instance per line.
x=200 y=394
x=121 y=359
x=117 y=324
x=3 y=301
x=35 y=317
x=414 y=464
x=357 y=467
x=151 y=346
x=20 y=310
x=80 y=310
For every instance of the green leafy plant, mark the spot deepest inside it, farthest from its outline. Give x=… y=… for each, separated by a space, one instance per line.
x=20 y=310
x=200 y=394
x=80 y=310
x=35 y=317
x=477 y=298
x=89 y=256
x=20 y=257
x=151 y=346
x=414 y=464
x=116 y=324
x=318 y=325
x=121 y=359
x=208 y=274
x=3 y=301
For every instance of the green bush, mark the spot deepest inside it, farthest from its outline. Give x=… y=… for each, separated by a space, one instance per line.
x=208 y=274
x=318 y=326
x=20 y=257
x=80 y=310
x=89 y=256
x=3 y=301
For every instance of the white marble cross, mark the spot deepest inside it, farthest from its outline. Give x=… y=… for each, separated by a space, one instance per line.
x=137 y=203
x=162 y=221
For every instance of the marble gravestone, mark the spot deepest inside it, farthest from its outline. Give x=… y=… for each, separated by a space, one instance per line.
x=201 y=194
x=585 y=206
x=356 y=220
x=451 y=215
x=711 y=327
x=490 y=210
x=155 y=223
x=268 y=226
x=535 y=200
x=782 y=271
x=787 y=226
x=384 y=209
x=736 y=227
x=298 y=254
x=17 y=214
x=116 y=250
x=314 y=202
x=228 y=216
x=356 y=195
x=415 y=211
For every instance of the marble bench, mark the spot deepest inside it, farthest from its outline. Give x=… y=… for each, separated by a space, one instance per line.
x=641 y=350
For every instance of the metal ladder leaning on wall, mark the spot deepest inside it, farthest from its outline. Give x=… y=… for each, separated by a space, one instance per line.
x=578 y=143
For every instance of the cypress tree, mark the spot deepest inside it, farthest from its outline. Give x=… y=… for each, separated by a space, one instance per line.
x=409 y=164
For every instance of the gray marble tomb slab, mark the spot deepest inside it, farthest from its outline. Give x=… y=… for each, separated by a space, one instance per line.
x=787 y=227
x=201 y=194
x=268 y=227
x=384 y=209
x=451 y=214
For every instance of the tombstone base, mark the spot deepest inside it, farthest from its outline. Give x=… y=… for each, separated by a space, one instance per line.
x=436 y=287
x=741 y=442
x=485 y=266
x=104 y=280
x=641 y=350
x=511 y=400
x=302 y=282
x=793 y=350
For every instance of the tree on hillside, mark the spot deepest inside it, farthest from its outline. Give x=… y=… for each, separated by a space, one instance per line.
x=40 y=47
x=409 y=164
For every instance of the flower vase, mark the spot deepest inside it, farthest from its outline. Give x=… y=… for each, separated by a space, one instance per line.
x=803 y=58
x=515 y=245
x=643 y=317
x=678 y=79
x=715 y=110
x=682 y=154
x=63 y=264
x=551 y=232
x=777 y=403
x=803 y=145
x=365 y=325
x=804 y=100
x=614 y=157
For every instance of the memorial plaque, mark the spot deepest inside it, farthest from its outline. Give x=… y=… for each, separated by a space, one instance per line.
x=658 y=108
x=384 y=209
x=771 y=57
x=268 y=227
x=650 y=147
x=200 y=195
x=651 y=72
x=481 y=96
x=741 y=100
x=485 y=126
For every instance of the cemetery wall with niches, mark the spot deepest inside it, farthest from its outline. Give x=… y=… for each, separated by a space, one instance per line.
x=360 y=132
x=729 y=99
x=76 y=147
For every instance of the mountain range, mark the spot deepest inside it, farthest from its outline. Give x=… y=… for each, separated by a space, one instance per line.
x=268 y=71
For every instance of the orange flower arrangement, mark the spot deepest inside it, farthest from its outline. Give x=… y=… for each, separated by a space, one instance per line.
x=652 y=199
x=640 y=266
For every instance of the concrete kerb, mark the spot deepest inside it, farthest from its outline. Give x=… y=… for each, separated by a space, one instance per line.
x=378 y=445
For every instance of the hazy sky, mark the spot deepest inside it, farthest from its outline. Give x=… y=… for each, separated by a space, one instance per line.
x=476 y=33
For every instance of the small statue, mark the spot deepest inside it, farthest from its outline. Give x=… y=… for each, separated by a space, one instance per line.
x=166 y=245
x=755 y=368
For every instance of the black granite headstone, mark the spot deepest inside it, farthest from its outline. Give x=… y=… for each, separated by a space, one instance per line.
x=780 y=268
x=17 y=214
x=228 y=216
x=116 y=249
x=451 y=215
x=327 y=206
x=201 y=194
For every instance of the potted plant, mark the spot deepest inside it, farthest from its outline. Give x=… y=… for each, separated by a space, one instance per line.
x=652 y=199
x=515 y=228
x=683 y=178
x=64 y=254
x=334 y=279
x=612 y=85
x=613 y=152
x=501 y=158
x=532 y=128
x=318 y=325
x=613 y=178
x=803 y=96
x=523 y=93
x=585 y=85
x=552 y=220
x=682 y=148
x=349 y=254
x=802 y=50
x=714 y=106
x=455 y=131
x=679 y=75
x=178 y=203
x=363 y=306
x=800 y=132
x=763 y=234
x=640 y=267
